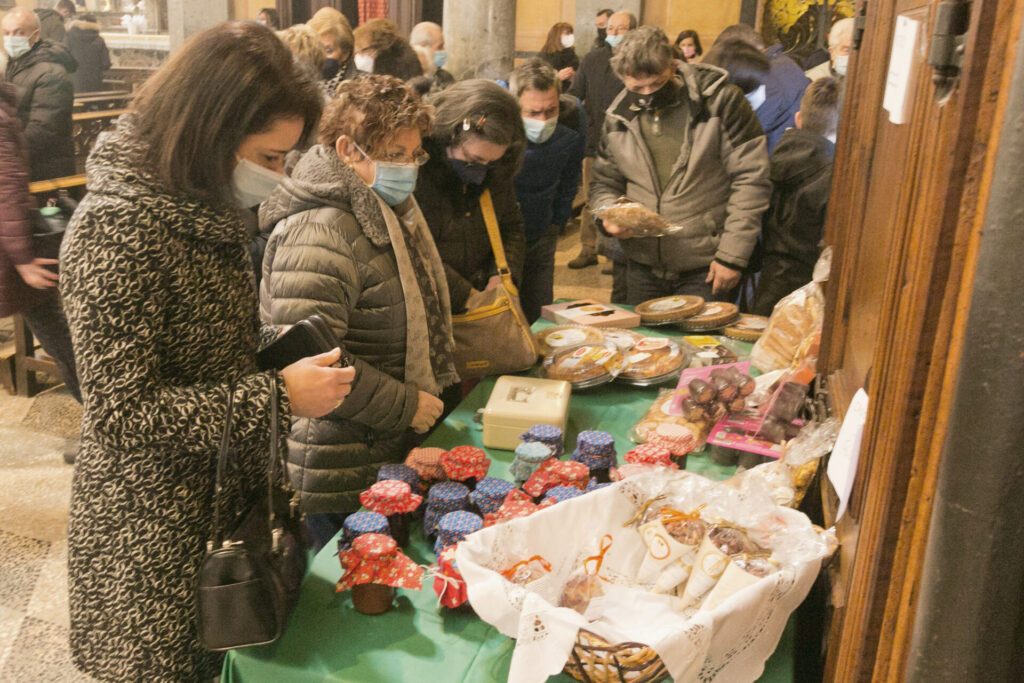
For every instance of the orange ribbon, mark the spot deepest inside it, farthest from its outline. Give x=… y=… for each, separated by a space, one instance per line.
x=671 y=515
x=511 y=571
x=606 y=544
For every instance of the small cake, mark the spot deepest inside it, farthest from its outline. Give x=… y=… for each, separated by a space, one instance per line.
x=653 y=357
x=564 y=336
x=747 y=328
x=713 y=316
x=585 y=364
x=669 y=308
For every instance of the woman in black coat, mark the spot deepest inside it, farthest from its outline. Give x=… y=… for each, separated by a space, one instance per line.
x=157 y=285
x=477 y=144
x=90 y=51
x=560 y=53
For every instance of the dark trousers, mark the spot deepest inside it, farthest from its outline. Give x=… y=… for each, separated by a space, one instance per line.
x=643 y=285
x=779 y=277
x=323 y=526
x=49 y=326
x=537 y=289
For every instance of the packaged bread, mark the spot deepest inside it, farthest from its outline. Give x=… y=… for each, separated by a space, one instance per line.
x=635 y=217
x=564 y=336
x=797 y=317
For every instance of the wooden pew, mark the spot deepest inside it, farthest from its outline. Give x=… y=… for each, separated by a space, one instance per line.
x=86 y=127
x=101 y=101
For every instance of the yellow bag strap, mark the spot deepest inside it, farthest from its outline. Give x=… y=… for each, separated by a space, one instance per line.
x=491 y=221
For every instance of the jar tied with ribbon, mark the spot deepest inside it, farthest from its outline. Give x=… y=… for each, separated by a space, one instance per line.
x=373 y=568
x=396 y=501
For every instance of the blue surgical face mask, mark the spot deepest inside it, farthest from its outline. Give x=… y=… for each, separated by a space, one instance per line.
x=440 y=57
x=757 y=97
x=16 y=46
x=842 y=61
x=252 y=183
x=539 y=131
x=469 y=173
x=614 y=40
x=392 y=182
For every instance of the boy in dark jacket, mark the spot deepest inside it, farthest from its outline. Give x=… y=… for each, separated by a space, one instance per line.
x=801 y=172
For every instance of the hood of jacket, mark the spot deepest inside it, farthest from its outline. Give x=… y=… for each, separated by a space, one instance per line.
x=44 y=51
x=322 y=179
x=699 y=82
x=800 y=155
x=84 y=26
x=116 y=167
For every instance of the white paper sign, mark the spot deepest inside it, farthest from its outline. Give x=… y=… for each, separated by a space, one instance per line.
x=842 y=465
x=901 y=69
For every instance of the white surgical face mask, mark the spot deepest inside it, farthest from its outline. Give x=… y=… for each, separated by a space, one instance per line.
x=757 y=97
x=568 y=40
x=364 y=62
x=614 y=40
x=540 y=131
x=16 y=46
x=841 y=63
x=252 y=183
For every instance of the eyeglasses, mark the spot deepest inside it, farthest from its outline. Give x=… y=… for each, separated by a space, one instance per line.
x=419 y=157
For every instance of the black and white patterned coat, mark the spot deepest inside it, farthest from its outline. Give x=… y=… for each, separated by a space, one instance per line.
x=159 y=297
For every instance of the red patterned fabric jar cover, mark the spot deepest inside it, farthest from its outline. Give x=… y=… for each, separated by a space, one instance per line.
x=375 y=558
x=427 y=463
x=676 y=438
x=465 y=462
x=650 y=454
x=517 y=504
x=390 y=497
x=557 y=473
x=448 y=582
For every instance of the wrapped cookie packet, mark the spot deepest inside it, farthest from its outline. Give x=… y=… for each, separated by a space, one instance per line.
x=584 y=584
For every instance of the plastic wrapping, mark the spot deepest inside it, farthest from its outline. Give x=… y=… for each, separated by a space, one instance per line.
x=795 y=320
x=585 y=366
x=712 y=350
x=560 y=337
x=635 y=217
x=662 y=413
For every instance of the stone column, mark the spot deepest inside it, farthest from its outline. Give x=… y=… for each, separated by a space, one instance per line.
x=479 y=36
x=185 y=18
x=586 y=12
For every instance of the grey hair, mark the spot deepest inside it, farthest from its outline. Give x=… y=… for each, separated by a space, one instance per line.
x=839 y=29
x=533 y=74
x=643 y=52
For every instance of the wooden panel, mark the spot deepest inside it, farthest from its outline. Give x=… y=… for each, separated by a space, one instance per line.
x=904 y=209
x=706 y=18
x=534 y=18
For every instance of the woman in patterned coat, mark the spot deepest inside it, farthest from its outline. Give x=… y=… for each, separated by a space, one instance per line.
x=158 y=288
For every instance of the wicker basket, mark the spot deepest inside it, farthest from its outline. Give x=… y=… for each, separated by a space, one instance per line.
x=595 y=660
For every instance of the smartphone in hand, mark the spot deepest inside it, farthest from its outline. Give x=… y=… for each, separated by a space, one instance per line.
x=309 y=337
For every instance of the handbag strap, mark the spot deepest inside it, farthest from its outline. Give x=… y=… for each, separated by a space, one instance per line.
x=494 y=235
x=222 y=460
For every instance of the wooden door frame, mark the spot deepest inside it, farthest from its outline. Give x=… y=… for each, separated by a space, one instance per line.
x=927 y=292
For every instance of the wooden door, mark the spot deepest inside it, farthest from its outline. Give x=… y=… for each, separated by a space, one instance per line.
x=904 y=220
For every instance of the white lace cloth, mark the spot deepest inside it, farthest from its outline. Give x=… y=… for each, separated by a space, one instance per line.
x=728 y=643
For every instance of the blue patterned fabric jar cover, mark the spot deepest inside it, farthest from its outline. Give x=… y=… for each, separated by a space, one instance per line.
x=560 y=493
x=401 y=472
x=448 y=496
x=529 y=456
x=549 y=435
x=362 y=523
x=593 y=485
x=593 y=462
x=596 y=443
x=455 y=526
x=490 y=493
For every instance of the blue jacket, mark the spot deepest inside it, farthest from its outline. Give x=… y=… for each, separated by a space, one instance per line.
x=548 y=181
x=784 y=90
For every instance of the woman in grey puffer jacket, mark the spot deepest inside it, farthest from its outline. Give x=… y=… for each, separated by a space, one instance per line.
x=351 y=245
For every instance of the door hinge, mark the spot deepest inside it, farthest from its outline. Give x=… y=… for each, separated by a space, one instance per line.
x=945 y=54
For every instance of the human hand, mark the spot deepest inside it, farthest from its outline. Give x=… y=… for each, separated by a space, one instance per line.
x=722 y=278
x=36 y=276
x=616 y=230
x=314 y=387
x=566 y=74
x=428 y=409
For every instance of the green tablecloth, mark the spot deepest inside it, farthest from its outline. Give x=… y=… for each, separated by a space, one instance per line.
x=327 y=640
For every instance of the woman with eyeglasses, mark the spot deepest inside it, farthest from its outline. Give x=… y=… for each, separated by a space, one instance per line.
x=351 y=245
x=477 y=144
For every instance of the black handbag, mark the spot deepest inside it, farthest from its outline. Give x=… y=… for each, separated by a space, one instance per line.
x=249 y=580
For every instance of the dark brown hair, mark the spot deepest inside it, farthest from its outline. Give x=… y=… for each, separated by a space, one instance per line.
x=370 y=109
x=688 y=33
x=483 y=109
x=554 y=40
x=232 y=80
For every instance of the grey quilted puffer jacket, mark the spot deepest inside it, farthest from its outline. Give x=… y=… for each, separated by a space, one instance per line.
x=330 y=254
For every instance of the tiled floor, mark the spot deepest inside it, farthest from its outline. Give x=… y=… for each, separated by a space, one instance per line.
x=35 y=486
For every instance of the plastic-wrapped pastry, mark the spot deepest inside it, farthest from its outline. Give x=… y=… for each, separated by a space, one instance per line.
x=634 y=216
x=564 y=336
x=653 y=358
x=527 y=570
x=747 y=328
x=687 y=531
x=668 y=309
x=701 y=391
x=584 y=584
x=585 y=366
x=714 y=315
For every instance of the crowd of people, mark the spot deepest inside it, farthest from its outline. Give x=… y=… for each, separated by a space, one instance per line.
x=265 y=173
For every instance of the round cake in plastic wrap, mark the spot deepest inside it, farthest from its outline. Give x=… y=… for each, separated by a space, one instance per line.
x=560 y=337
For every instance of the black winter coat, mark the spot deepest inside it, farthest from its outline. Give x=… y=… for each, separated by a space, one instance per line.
x=452 y=210
x=801 y=173
x=42 y=83
x=87 y=47
x=597 y=86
